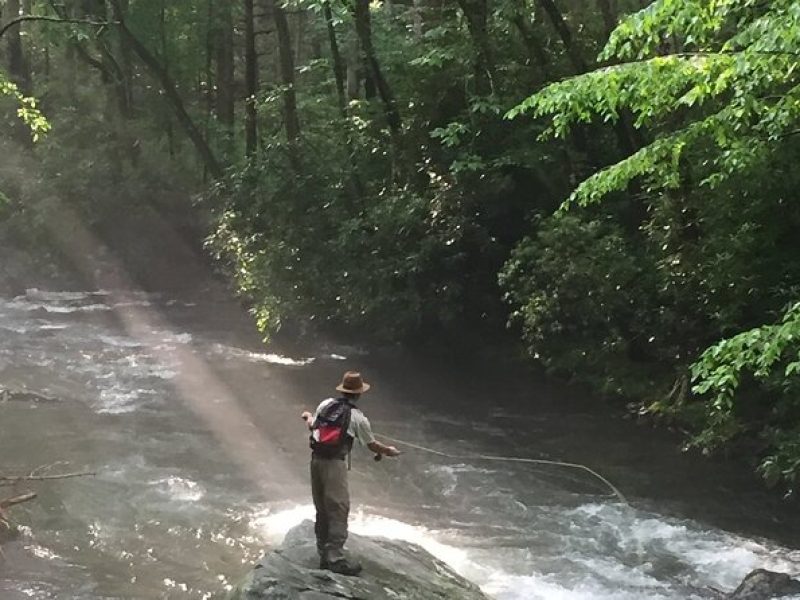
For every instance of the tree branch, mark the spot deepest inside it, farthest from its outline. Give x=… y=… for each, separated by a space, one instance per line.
x=168 y=85
x=11 y=480
x=734 y=52
x=698 y=54
x=25 y=18
x=9 y=502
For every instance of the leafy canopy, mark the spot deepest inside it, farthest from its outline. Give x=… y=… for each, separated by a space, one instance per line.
x=714 y=88
x=717 y=81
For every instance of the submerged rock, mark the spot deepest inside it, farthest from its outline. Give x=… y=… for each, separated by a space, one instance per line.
x=24 y=395
x=763 y=585
x=392 y=570
x=8 y=533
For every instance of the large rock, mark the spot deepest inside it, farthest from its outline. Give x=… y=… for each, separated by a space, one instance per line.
x=763 y=585
x=393 y=570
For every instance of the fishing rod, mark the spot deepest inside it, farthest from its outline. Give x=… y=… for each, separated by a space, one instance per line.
x=510 y=459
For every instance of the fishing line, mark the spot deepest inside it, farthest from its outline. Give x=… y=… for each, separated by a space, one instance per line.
x=510 y=459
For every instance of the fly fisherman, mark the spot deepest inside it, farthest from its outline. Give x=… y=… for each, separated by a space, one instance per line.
x=334 y=426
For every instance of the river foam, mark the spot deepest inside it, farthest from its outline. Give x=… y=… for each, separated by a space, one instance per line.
x=612 y=553
x=234 y=353
x=273 y=526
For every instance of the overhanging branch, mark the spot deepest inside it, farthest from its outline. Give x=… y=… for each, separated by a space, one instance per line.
x=25 y=18
x=11 y=480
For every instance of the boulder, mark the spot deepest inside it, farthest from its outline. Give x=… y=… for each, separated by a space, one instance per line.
x=393 y=570
x=763 y=585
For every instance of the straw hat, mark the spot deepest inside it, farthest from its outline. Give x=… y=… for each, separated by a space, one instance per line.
x=352 y=384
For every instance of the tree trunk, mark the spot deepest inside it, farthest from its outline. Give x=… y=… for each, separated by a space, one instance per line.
x=356 y=187
x=286 y=58
x=207 y=86
x=336 y=57
x=609 y=11
x=300 y=35
x=171 y=92
x=361 y=14
x=162 y=34
x=477 y=14
x=112 y=72
x=560 y=25
x=536 y=51
x=251 y=79
x=622 y=128
x=126 y=64
x=17 y=65
x=225 y=73
x=27 y=56
x=416 y=17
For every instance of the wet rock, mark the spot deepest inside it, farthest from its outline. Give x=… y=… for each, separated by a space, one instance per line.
x=762 y=585
x=393 y=570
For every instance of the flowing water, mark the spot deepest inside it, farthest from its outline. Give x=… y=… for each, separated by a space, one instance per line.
x=192 y=429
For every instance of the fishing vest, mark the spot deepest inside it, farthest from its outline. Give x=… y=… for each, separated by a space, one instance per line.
x=329 y=437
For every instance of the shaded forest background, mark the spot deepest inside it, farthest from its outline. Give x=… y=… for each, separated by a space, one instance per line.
x=613 y=180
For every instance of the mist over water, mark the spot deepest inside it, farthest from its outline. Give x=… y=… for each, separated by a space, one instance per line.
x=201 y=461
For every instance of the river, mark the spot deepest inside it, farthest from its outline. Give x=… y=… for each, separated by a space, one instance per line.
x=192 y=428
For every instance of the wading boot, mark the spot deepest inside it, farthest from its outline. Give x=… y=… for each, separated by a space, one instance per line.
x=344 y=567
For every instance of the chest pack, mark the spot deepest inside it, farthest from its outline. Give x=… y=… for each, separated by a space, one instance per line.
x=329 y=437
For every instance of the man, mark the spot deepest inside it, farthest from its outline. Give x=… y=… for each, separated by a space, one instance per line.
x=334 y=426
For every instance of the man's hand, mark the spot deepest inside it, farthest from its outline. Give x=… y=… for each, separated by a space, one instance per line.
x=305 y=415
x=382 y=449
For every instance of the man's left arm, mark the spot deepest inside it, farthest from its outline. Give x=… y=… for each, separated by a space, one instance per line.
x=363 y=431
x=382 y=449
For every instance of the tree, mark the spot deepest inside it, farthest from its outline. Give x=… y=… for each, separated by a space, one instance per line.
x=338 y=65
x=560 y=25
x=286 y=58
x=18 y=67
x=477 y=15
x=716 y=84
x=251 y=79
x=170 y=90
x=225 y=67
x=363 y=23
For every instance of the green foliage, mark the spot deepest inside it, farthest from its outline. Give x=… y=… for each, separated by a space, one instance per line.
x=725 y=97
x=309 y=247
x=714 y=88
x=566 y=283
x=769 y=355
x=27 y=109
x=390 y=236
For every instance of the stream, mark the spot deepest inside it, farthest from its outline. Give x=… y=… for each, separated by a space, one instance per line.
x=192 y=428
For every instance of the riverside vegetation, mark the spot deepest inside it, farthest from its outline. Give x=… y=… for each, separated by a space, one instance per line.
x=616 y=178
